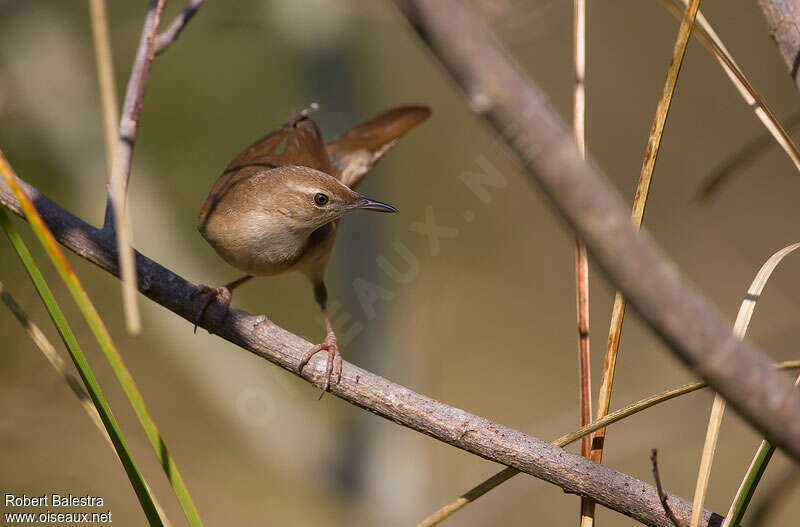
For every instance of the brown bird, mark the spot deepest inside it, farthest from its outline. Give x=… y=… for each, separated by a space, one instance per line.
x=276 y=206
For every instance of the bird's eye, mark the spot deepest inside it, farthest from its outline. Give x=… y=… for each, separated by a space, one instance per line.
x=320 y=199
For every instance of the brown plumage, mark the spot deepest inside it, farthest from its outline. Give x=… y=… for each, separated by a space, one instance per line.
x=276 y=206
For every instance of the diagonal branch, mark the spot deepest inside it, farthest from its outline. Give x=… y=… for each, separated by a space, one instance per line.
x=693 y=329
x=380 y=396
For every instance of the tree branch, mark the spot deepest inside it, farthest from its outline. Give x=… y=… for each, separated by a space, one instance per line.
x=783 y=20
x=456 y=427
x=173 y=31
x=131 y=107
x=582 y=194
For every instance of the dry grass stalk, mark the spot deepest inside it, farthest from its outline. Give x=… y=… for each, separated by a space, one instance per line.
x=581 y=256
x=637 y=215
x=105 y=77
x=581 y=261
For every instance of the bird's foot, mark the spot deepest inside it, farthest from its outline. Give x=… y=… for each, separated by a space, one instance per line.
x=223 y=294
x=334 y=368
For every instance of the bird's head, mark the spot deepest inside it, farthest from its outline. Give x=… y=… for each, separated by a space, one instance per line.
x=309 y=199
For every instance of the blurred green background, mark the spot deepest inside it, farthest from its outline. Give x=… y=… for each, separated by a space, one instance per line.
x=485 y=321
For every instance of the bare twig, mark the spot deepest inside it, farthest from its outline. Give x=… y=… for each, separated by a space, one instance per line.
x=783 y=21
x=451 y=425
x=116 y=218
x=173 y=31
x=661 y=494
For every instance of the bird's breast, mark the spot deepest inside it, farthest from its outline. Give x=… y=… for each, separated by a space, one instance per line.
x=257 y=243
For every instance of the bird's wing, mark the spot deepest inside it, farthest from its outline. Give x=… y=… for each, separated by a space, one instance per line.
x=298 y=142
x=356 y=151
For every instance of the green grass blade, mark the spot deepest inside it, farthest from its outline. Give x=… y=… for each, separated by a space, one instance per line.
x=750 y=482
x=106 y=344
x=110 y=424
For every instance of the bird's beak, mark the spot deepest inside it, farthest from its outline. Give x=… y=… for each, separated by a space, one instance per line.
x=371 y=204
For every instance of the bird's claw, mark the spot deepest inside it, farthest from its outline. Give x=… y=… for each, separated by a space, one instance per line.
x=223 y=294
x=334 y=366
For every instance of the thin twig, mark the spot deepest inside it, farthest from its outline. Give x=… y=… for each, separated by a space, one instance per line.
x=661 y=494
x=456 y=427
x=116 y=219
x=173 y=31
